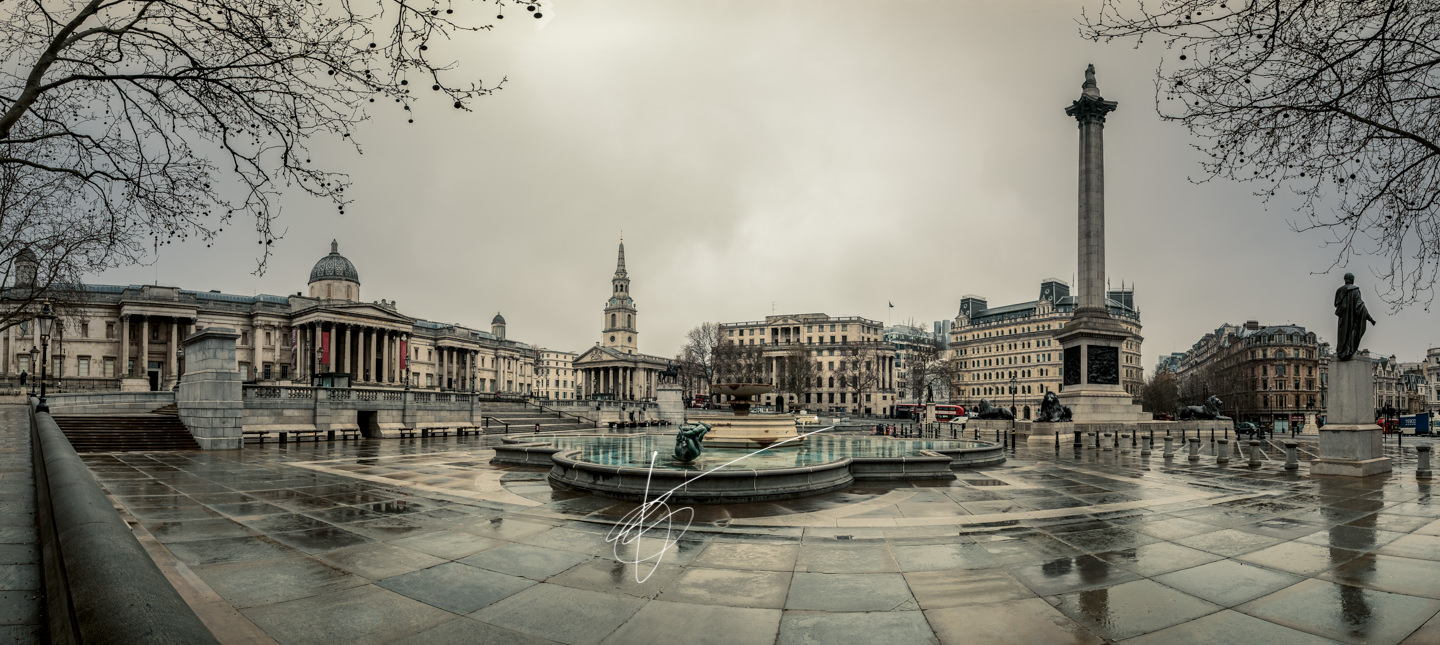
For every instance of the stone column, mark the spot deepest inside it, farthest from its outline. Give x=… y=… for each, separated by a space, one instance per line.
x=330 y=364
x=144 y=362
x=371 y=363
x=172 y=348
x=124 y=368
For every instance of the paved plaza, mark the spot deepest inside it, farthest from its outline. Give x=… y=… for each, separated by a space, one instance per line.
x=422 y=541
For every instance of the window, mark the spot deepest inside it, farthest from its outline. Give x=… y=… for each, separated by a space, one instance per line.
x=24 y=363
x=244 y=371
x=110 y=330
x=244 y=338
x=109 y=367
x=155 y=332
x=83 y=366
x=284 y=371
x=84 y=329
x=267 y=338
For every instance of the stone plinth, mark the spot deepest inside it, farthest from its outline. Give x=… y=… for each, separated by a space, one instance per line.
x=671 y=402
x=208 y=399
x=1043 y=434
x=1351 y=444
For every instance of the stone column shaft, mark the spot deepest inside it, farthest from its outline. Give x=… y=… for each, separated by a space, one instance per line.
x=144 y=358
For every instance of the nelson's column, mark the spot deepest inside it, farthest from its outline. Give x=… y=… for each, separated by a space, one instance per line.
x=1091 y=341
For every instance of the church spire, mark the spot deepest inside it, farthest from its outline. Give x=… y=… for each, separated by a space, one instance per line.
x=620 y=266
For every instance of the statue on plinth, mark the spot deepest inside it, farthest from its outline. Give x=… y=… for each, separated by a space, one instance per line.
x=687 y=442
x=1051 y=411
x=984 y=410
x=1350 y=309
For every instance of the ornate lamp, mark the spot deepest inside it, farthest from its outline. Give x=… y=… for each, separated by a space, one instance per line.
x=46 y=318
x=34 y=360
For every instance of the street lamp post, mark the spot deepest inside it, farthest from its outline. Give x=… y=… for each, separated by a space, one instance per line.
x=1013 y=389
x=46 y=317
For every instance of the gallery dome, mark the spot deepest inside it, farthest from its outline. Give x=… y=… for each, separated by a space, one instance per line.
x=334 y=267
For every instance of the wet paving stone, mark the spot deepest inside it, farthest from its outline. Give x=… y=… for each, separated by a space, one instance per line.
x=943 y=556
x=1228 y=542
x=669 y=622
x=1414 y=546
x=1062 y=575
x=197 y=530
x=815 y=628
x=845 y=559
x=1153 y=559
x=644 y=580
x=941 y=589
x=360 y=615
x=377 y=561
x=251 y=584
x=320 y=540
x=1228 y=628
x=215 y=551
x=1345 y=613
x=1301 y=558
x=847 y=592
x=1228 y=583
x=766 y=589
x=562 y=614
x=456 y=587
x=1390 y=573
x=526 y=561
x=1132 y=608
x=1015 y=622
x=450 y=545
x=765 y=557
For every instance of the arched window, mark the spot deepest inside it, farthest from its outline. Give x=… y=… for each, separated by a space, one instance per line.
x=327 y=292
x=819 y=381
x=1027 y=412
x=612 y=320
x=347 y=292
x=832 y=381
x=628 y=322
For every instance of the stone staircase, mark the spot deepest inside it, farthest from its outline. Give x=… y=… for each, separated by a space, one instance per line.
x=160 y=430
x=523 y=418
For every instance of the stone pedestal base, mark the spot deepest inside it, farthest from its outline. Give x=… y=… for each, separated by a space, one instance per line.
x=1351 y=451
x=671 y=403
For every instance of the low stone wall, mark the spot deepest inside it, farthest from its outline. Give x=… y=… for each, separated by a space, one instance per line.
x=524 y=454
x=110 y=402
x=100 y=584
x=928 y=465
x=697 y=486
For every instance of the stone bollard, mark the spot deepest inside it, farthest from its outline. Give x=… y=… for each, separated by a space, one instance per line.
x=1147 y=445
x=1255 y=453
x=1422 y=462
x=1127 y=436
x=1194 y=449
x=1169 y=447
x=1222 y=452
x=1107 y=442
x=1292 y=459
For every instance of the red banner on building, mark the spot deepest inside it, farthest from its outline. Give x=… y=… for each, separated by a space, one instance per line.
x=324 y=350
x=404 y=355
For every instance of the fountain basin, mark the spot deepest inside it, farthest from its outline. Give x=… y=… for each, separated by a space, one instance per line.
x=619 y=467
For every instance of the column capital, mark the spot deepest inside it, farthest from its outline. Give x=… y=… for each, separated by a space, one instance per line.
x=1088 y=109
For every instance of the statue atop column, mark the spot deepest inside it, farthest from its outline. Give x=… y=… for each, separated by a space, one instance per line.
x=1350 y=309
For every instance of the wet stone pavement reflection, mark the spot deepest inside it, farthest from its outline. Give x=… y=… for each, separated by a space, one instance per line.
x=423 y=541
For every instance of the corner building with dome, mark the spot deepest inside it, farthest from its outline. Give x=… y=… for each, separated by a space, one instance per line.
x=114 y=337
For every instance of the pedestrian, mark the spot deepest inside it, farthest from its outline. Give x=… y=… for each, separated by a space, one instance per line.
x=537 y=428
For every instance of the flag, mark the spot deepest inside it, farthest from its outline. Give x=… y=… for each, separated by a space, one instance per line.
x=404 y=355
x=325 y=349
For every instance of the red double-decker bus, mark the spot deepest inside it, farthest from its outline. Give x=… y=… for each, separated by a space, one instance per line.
x=946 y=412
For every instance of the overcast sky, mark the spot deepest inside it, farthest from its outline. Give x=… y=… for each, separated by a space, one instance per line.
x=789 y=157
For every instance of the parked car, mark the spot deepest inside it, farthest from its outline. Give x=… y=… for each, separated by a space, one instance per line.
x=1246 y=428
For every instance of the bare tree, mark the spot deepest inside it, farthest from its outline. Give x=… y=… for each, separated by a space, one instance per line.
x=697 y=357
x=798 y=372
x=860 y=371
x=126 y=124
x=736 y=363
x=926 y=370
x=1160 y=393
x=1337 y=102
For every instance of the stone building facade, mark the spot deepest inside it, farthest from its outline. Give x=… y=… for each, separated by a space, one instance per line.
x=129 y=337
x=1269 y=375
x=849 y=368
x=555 y=375
x=614 y=369
x=992 y=346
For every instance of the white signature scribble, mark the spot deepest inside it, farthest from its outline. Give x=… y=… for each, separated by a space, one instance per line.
x=652 y=513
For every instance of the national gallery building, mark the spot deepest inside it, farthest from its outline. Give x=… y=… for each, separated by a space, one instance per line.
x=128 y=337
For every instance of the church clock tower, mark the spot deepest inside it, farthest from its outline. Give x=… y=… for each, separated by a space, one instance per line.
x=619 y=324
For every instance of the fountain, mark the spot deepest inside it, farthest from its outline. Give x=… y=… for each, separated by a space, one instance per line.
x=745 y=430
x=718 y=458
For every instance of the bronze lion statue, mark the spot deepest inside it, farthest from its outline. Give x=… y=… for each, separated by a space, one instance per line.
x=984 y=410
x=1051 y=411
x=1208 y=412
